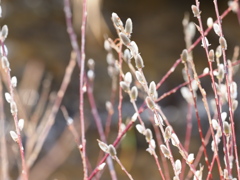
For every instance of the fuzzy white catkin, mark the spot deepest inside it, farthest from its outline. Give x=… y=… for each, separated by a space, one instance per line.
x=210 y=22
x=21 y=124
x=14 y=135
x=14 y=81
x=8 y=97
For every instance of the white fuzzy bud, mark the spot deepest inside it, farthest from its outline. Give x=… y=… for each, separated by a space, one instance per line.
x=128 y=78
x=107 y=45
x=128 y=26
x=178 y=166
x=5 y=63
x=140 y=128
x=13 y=108
x=101 y=166
x=14 y=81
x=4 y=33
x=14 y=136
x=112 y=150
x=91 y=75
x=205 y=40
x=158 y=119
x=175 y=140
x=109 y=107
x=165 y=151
x=134 y=48
x=216 y=29
x=190 y=158
x=8 y=97
x=152 y=89
x=210 y=22
x=223 y=43
x=3 y=50
x=104 y=147
x=21 y=124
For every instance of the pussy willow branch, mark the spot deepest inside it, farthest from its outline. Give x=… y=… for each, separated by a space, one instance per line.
x=15 y=117
x=178 y=61
x=3 y=148
x=159 y=141
x=141 y=109
x=234 y=141
x=81 y=86
x=99 y=126
x=215 y=96
x=74 y=43
x=120 y=89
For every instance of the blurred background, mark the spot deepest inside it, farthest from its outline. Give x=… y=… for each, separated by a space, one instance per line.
x=38 y=39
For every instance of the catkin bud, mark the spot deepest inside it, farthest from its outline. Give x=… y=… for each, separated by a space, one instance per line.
x=128 y=26
x=14 y=81
x=14 y=136
x=5 y=63
x=218 y=52
x=215 y=124
x=158 y=119
x=139 y=77
x=216 y=29
x=134 y=48
x=91 y=75
x=148 y=135
x=112 y=150
x=234 y=105
x=150 y=103
x=165 y=151
x=128 y=78
x=21 y=124
x=175 y=140
x=152 y=89
x=125 y=40
x=124 y=86
x=104 y=147
x=91 y=64
x=140 y=128
x=168 y=133
x=211 y=55
x=190 y=158
x=134 y=93
x=101 y=166
x=109 y=107
x=8 y=97
x=139 y=61
x=116 y=20
x=226 y=128
x=13 y=108
x=195 y=11
x=3 y=50
x=127 y=55
x=178 y=166
x=223 y=43
x=210 y=22
x=221 y=71
x=107 y=45
x=184 y=55
x=4 y=33
x=69 y=121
